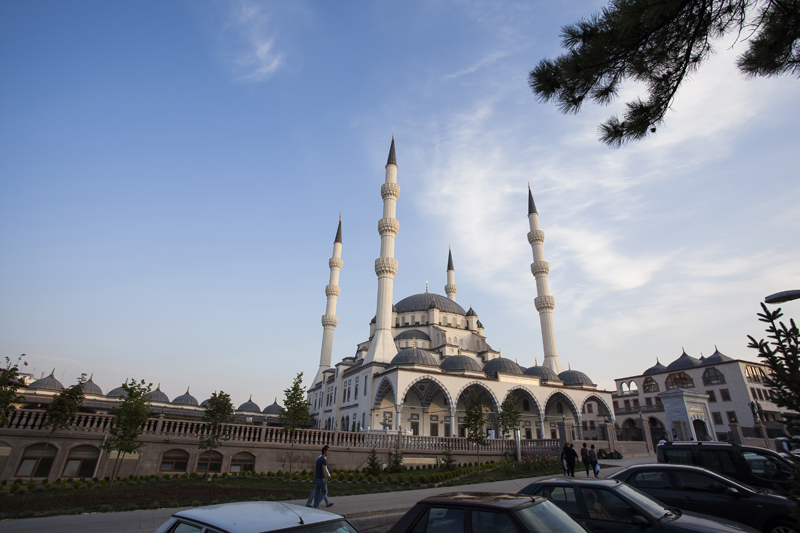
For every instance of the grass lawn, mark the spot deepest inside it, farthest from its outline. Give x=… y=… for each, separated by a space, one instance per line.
x=186 y=492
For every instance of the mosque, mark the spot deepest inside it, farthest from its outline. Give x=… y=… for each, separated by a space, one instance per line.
x=425 y=353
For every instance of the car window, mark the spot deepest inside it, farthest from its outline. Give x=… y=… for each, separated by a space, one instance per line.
x=699 y=482
x=721 y=461
x=440 y=520
x=491 y=522
x=339 y=526
x=602 y=504
x=651 y=479
x=766 y=466
x=563 y=497
x=679 y=457
x=546 y=517
x=183 y=527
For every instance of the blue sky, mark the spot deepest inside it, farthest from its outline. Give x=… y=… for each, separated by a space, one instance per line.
x=171 y=176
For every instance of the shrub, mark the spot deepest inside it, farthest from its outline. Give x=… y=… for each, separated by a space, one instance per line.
x=430 y=466
x=77 y=485
x=304 y=472
x=411 y=479
x=380 y=478
x=361 y=478
x=106 y=479
x=334 y=476
x=279 y=473
x=351 y=477
x=401 y=478
x=32 y=485
x=225 y=474
x=417 y=467
x=125 y=479
x=185 y=476
x=193 y=475
x=14 y=488
x=47 y=484
x=369 y=478
x=175 y=476
x=296 y=476
x=423 y=479
x=389 y=478
x=90 y=484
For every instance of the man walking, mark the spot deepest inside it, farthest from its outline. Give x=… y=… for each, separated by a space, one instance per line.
x=593 y=461
x=585 y=459
x=571 y=457
x=321 y=477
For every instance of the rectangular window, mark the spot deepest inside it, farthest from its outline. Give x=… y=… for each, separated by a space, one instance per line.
x=615 y=403
x=627 y=404
x=355 y=396
x=589 y=407
x=658 y=400
x=717 y=418
x=434 y=429
x=725 y=395
x=711 y=396
x=648 y=401
x=753 y=393
x=732 y=417
x=591 y=424
x=636 y=402
x=760 y=396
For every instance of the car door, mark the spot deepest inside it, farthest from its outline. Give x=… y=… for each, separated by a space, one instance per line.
x=564 y=498
x=767 y=469
x=702 y=493
x=657 y=483
x=607 y=512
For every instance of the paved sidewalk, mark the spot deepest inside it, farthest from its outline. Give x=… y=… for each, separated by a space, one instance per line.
x=359 y=506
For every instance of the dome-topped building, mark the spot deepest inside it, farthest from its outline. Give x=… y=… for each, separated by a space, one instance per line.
x=716 y=358
x=501 y=364
x=423 y=302
x=575 y=378
x=541 y=372
x=249 y=406
x=655 y=369
x=683 y=362
x=273 y=408
x=49 y=383
x=185 y=399
x=460 y=363
x=157 y=395
x=414 y=356
x=90 y=387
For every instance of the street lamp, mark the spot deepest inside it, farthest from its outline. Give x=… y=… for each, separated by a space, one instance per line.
x=784 y=296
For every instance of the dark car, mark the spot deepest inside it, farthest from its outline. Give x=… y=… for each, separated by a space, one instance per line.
x=610 y=506
x=757 y=467
x=485 y=512
x=692 y=488
x=789 y=448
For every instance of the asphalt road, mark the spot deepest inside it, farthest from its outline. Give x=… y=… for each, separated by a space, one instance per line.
x=371 y=513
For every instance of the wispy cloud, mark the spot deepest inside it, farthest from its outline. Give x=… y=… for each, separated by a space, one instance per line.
x=255 y=57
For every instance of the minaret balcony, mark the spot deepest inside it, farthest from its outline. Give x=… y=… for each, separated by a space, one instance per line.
x=386 y=265
x=390 y=191
x=540 y=268
x=388 y=226
x=544 y=303
x=329 y=321
x=536 y=236
x=332 y=290
x=335 y=263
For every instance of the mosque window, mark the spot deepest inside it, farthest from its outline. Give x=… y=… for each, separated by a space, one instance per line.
x=174 y=461
x=559 y=408
x=681 y=380
x=760 y=395
x=615 y=404
x=36 y=461
x=243 y=462
x=650 y=385
x=81 y=462
x=526 y=406
x=356 y=393
x=648 y=401
x=589 y=407
x=209 y=462
x=712 y=376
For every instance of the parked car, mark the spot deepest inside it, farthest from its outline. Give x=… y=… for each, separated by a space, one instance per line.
x=789 y=448
x=255 y=517
x=610 y=506
x=692 y=488
x=757 y=467
x=485 y=512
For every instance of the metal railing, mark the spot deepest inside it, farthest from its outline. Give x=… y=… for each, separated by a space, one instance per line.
x=629 y=434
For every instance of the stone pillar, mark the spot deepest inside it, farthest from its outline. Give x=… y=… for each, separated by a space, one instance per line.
x=542 y=430
x=736 y=433
x=564 y=432
x=768 y=444
x=397 y=410
x=644 y=426
x=611 y=435
x=453 y=423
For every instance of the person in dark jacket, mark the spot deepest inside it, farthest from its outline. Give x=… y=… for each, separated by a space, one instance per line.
x=572 y=457
x=593 y=461
x=564 y=457
x=585 y=459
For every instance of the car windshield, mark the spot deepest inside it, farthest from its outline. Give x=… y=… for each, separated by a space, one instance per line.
x=339 y=526
x=649 y=504
x=793 y=445
x=546 y=517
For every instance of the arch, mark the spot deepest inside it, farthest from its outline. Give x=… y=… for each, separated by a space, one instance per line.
x=381 y=390
x=679 y=380
x=655 y=422
x=528 y=396
x=81 y=461
x=243 y=462
x=624 y=388
x=569 y=401
x=37 y=460
x=650 y=385
x=486 y=390
x=629 y=423
x=175 y=460
x=633 y=387
x=210 y=462
x=712 y=376
x=427 y=397
x=600 y=403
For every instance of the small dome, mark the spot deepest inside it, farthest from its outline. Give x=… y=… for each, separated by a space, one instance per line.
x=471 y=312
x=574 y=377
x=716 y=358
x=374 y=319
x=501 y=364
x=185 y=399
x=541 y=372
x=250 y=406
x=433 y=305
x=460 y=363
x=90 y=387
x=478 y=323
x=655 y=369
x=119 y=392
x=414 y=356
x=683 y=362
x=157 y=395
x=273 y=409
x=204 y=403
x=413 y=334
x=47 y=383
x=422 y=302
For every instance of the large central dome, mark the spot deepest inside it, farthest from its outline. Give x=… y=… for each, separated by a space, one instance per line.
x=421 y=302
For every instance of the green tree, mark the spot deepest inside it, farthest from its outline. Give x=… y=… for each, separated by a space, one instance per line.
x=509 y=416
x=217 y=416
x=473 y=423
x=295 y=413
x=374 y=465
x=659 y=43
x=396 y=456
x=9 y=384
x=129 y=419
x=448 y=461
x=64 y=407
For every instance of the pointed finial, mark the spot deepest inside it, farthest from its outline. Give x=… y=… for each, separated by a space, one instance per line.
x=413 y=343
x=53 y=372
x=251 y=398
x=426 y=287
x=339 y=231
x=187 y=390
x=276 y=399
x=450 y=260
x=516 y=360
x=657 y=361
x=531 y=204
x=159 y=386
x=715 y=348
x=392 y=135
x=392 y=157
x=90 y=377
x=569 y=365
x=535 y=361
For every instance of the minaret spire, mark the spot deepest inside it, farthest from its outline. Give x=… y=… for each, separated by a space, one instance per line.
x=544 y=302
x=451 y=288
x=382 y=348
x=329 y=319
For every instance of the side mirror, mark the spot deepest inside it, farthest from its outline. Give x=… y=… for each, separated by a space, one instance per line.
x=730 y=491
x=639 y=520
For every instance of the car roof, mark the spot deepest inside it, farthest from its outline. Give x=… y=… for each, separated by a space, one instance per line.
x=577 y=481
x=665 y=466
x=483 y=499
x=256 y=517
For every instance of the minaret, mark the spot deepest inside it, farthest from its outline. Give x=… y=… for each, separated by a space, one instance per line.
x=451 y=288
x=544 y=302
x=329 y=319
x=382 y=349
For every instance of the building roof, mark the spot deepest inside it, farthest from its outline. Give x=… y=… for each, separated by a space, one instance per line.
x=501 y=364
x=414 y=356
x=185 y=399
x=47 y=383
x=250 y=406
x=574 y=377
x=655 y=369
x=471 y=312
x=683 y=362
x=118 y=392
x=716 y=358
x=460 y=363
x=273 y=408
x=90 y=387
x=413 y=334
x=157 y=395
x=422 y=302
x=542 y=372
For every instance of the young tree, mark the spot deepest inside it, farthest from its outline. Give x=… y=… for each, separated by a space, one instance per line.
x=9 y=384
x=374 y=465
x=64 y=406
x=295 y=413
x=129 y=420
x=509 y=416
x=660 y=43
x=217 y=416
x=396 y=457
x=448 y=461
x=473 y=423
